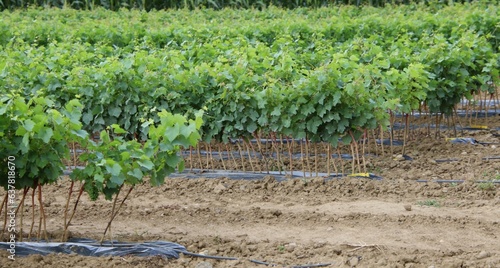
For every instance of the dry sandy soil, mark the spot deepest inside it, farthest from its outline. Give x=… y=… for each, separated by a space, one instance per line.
x=352 y=222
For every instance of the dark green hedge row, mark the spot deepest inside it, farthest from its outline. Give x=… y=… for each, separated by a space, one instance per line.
x=215 y=4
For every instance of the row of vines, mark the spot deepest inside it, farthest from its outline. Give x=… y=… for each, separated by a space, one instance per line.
x=214 y=4
x=269 y=82
x=322 y=74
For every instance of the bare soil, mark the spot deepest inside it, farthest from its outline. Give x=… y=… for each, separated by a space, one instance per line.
x=350 y=222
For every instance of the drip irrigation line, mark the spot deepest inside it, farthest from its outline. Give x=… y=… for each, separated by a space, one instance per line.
x=457 y=181
x=461 y=113
x=491 y=158
x=488 y=143
x=207 y=256
x=480 y=102
x=313 y=265
x=265 y=141
x=388 y=142
x=294 y=266
x=240 y=175
x=284 y=176
x=263 y=263
x=478 y=128
x=447 y=160
x=399 y=126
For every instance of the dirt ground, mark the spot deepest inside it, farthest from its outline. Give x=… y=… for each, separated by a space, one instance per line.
x=350 y=222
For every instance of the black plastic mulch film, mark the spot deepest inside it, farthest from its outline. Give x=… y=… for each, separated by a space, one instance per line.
x=92 y=248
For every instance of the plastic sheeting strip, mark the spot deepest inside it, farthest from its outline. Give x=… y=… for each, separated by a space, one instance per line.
x=88 y=247
x=92 y=248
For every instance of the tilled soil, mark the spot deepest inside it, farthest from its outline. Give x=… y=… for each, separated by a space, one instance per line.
x=350 y=222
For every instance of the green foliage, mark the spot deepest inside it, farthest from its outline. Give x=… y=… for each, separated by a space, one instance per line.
x=165 y=141
x=486 y=186
x=429 y=203
x=114 y=161
x=323 y=74
x=194 y=4
x=37 y=135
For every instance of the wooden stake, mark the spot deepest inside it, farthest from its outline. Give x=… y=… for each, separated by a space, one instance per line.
x=199 y=156
x=274 y=144
x=467 y=107
x=282 y=162
x=208 y=156
x=191 y=158
x=382 y=139
x=328 y=159
x=353 y=162
x=497 y=99
x=405 y=137
x=255 y=153
x=307 y=156
x=486 y=108
x=229 y=152
x=438 y=121
x=402 y=131
x=290 y=155
x=66 y=227
x=113 y=213
x=477 y=110
x=411 y=133
x=302 y=159
x=374 y=141
x=4 y=204
x=211 y=157
x=316 y=159
x=357 y=150
x=221 y=156
x=457 y=120
x=241 y=154
x=334 y=164
x=42 y=216
x=249 y=155
x=25 y=191
x=363 y=153
x=341 y=159
x=66 y=208
x=263 y=151
x=391 y=134
x=32 y=212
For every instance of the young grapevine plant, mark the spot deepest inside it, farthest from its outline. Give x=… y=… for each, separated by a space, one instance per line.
x=114 y=161
x=35 y=138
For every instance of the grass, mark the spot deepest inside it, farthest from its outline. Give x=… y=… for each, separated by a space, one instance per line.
x=429 y=203
x=491 y=178
x=486 y=186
